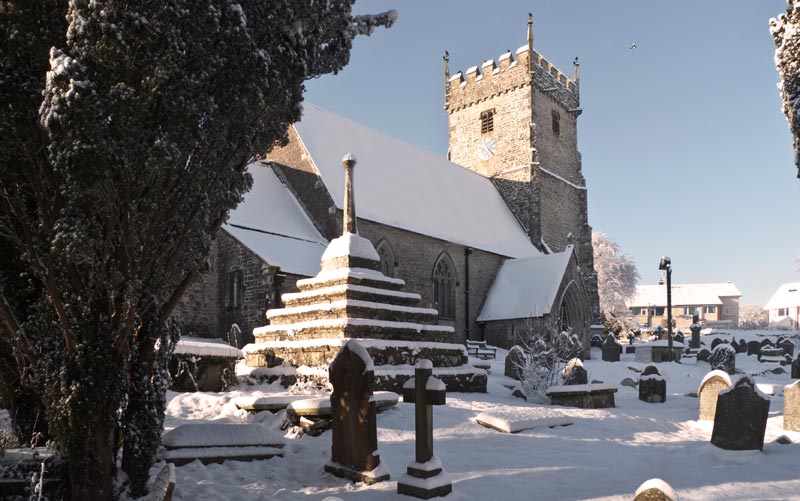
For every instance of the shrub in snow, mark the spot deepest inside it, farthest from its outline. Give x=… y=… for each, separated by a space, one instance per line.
x=544 y=356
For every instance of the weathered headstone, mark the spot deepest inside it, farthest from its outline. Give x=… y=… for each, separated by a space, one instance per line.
x=796 y=368
x=597 y=341
x=779 y=340
x=655 y=489
x=716 y=342
x=659 y=332
x=712 y=384
x=766 y=342
x=741 y=346
x=791 y=406
x=753 y=347
x=424 y=476
x=788 y=347
x=514 y=361
x=741 y=417
x=575 y=373
x=679 y=337
x=702 y=355
x=723 y=357
x=611 y=349
x=652 y=386
x=354 y=452
x=695 y=328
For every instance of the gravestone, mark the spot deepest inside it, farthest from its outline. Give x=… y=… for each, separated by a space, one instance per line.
x=702 y=355
x=741 y=417
x=655 y=489
x=597 y=341
x=753 y=347
x=652 y=386
x=611 y=349
x=796 y=368
x=770 y=354
x=679 y=337
x=712 y=384
x=659 y=333
x=424 y=476
x=723 y=357
x=791 y=406
x=716 y=342
x=575 y=373
x=787 y=360
x=788 y=347
x=766 y=342
x=741 y=346
x=354 y=451
x=514 y=362
x=695 y=328
x=779 y=340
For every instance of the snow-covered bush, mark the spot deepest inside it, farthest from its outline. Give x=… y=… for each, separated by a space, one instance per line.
x=544 y=356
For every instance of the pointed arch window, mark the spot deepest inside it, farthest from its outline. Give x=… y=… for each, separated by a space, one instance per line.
x=444 y=286
x=235 y=296
x=386 y=256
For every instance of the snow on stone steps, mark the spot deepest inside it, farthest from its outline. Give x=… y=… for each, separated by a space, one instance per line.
x=351 y=276
x=346 y=306
x=351 y=291
x=377 y=344
x=340 y=323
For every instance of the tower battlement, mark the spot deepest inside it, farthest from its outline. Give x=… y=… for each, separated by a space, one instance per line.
x=490 y=79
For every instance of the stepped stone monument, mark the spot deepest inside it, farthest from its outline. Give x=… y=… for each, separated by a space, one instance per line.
x=351 y=299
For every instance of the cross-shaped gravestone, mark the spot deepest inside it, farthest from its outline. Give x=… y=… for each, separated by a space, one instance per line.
x=424 y=477
x=695 y=328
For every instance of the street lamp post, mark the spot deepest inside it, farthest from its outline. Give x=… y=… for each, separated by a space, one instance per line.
x=666 y=265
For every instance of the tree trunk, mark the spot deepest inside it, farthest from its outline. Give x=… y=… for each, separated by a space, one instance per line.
x=92 y=477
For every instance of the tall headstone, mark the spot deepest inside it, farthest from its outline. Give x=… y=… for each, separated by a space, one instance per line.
x=652 y=386
x=753 y=348
x=354 y=452
x=712 y=384
x=796 y=368
x=611 y=349
x=424 y=476
x=791 y=407
x=788 y=347
x=741 y=417
x=696 y=326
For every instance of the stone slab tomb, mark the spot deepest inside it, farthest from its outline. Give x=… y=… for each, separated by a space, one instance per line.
x=425 y=478
x=770 y=354
x=652 y=386
x=710 y=386
x=220 y=442
x=351 y=298
x=354 y=451
x=741 y=417
x=791 y=407
x=584 y=396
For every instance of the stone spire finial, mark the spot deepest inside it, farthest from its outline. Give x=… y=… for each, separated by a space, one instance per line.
x=446 y=58
x=577 y=65
x=349 y=222
x=530 y=40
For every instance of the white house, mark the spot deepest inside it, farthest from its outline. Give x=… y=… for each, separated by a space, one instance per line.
x=783 y=308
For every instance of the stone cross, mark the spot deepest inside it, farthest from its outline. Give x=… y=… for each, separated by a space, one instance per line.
x=425 y=478
x=354 y=448
x=349 y=220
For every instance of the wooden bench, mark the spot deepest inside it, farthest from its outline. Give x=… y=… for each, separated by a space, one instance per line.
x=480 y=350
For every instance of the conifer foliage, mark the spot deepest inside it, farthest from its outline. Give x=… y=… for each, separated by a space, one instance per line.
x=127 y=127
x=785 y=31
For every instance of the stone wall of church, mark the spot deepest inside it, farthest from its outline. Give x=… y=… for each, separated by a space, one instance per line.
x=197 y=311
x=415 y=257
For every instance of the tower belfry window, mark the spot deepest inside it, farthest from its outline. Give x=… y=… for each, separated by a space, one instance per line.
x=487 y=121
x=556 y=124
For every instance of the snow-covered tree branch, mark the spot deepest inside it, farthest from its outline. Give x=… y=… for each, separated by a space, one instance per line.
x=785 y=30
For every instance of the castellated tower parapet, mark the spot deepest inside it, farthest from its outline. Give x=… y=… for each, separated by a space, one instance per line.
x=514 y=120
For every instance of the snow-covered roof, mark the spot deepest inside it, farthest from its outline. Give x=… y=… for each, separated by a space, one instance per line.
x=400 y=185
x=786 y=296
x=683 y=294
x=525 y=288
x=272 y=224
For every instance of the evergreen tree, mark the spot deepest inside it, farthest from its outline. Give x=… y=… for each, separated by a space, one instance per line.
x=785 y=31
x=127 y=128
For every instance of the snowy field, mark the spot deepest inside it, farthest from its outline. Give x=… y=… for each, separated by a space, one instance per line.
x=605 y=454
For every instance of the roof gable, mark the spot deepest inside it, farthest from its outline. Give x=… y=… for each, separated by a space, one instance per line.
x=683 y=294
x=787 y=296
x=400 y=185
x=525 y=288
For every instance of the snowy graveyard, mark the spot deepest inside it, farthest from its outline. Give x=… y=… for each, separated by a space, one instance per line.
x=494 y=445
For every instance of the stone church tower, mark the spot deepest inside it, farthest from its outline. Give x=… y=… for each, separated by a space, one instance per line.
x=514 y=121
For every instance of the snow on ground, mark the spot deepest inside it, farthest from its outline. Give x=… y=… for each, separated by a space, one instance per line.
x=605 y=455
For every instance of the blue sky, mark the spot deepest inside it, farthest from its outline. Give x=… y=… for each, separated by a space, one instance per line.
x=685 y=149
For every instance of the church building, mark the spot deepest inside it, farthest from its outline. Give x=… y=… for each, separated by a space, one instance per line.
x=495 y=236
